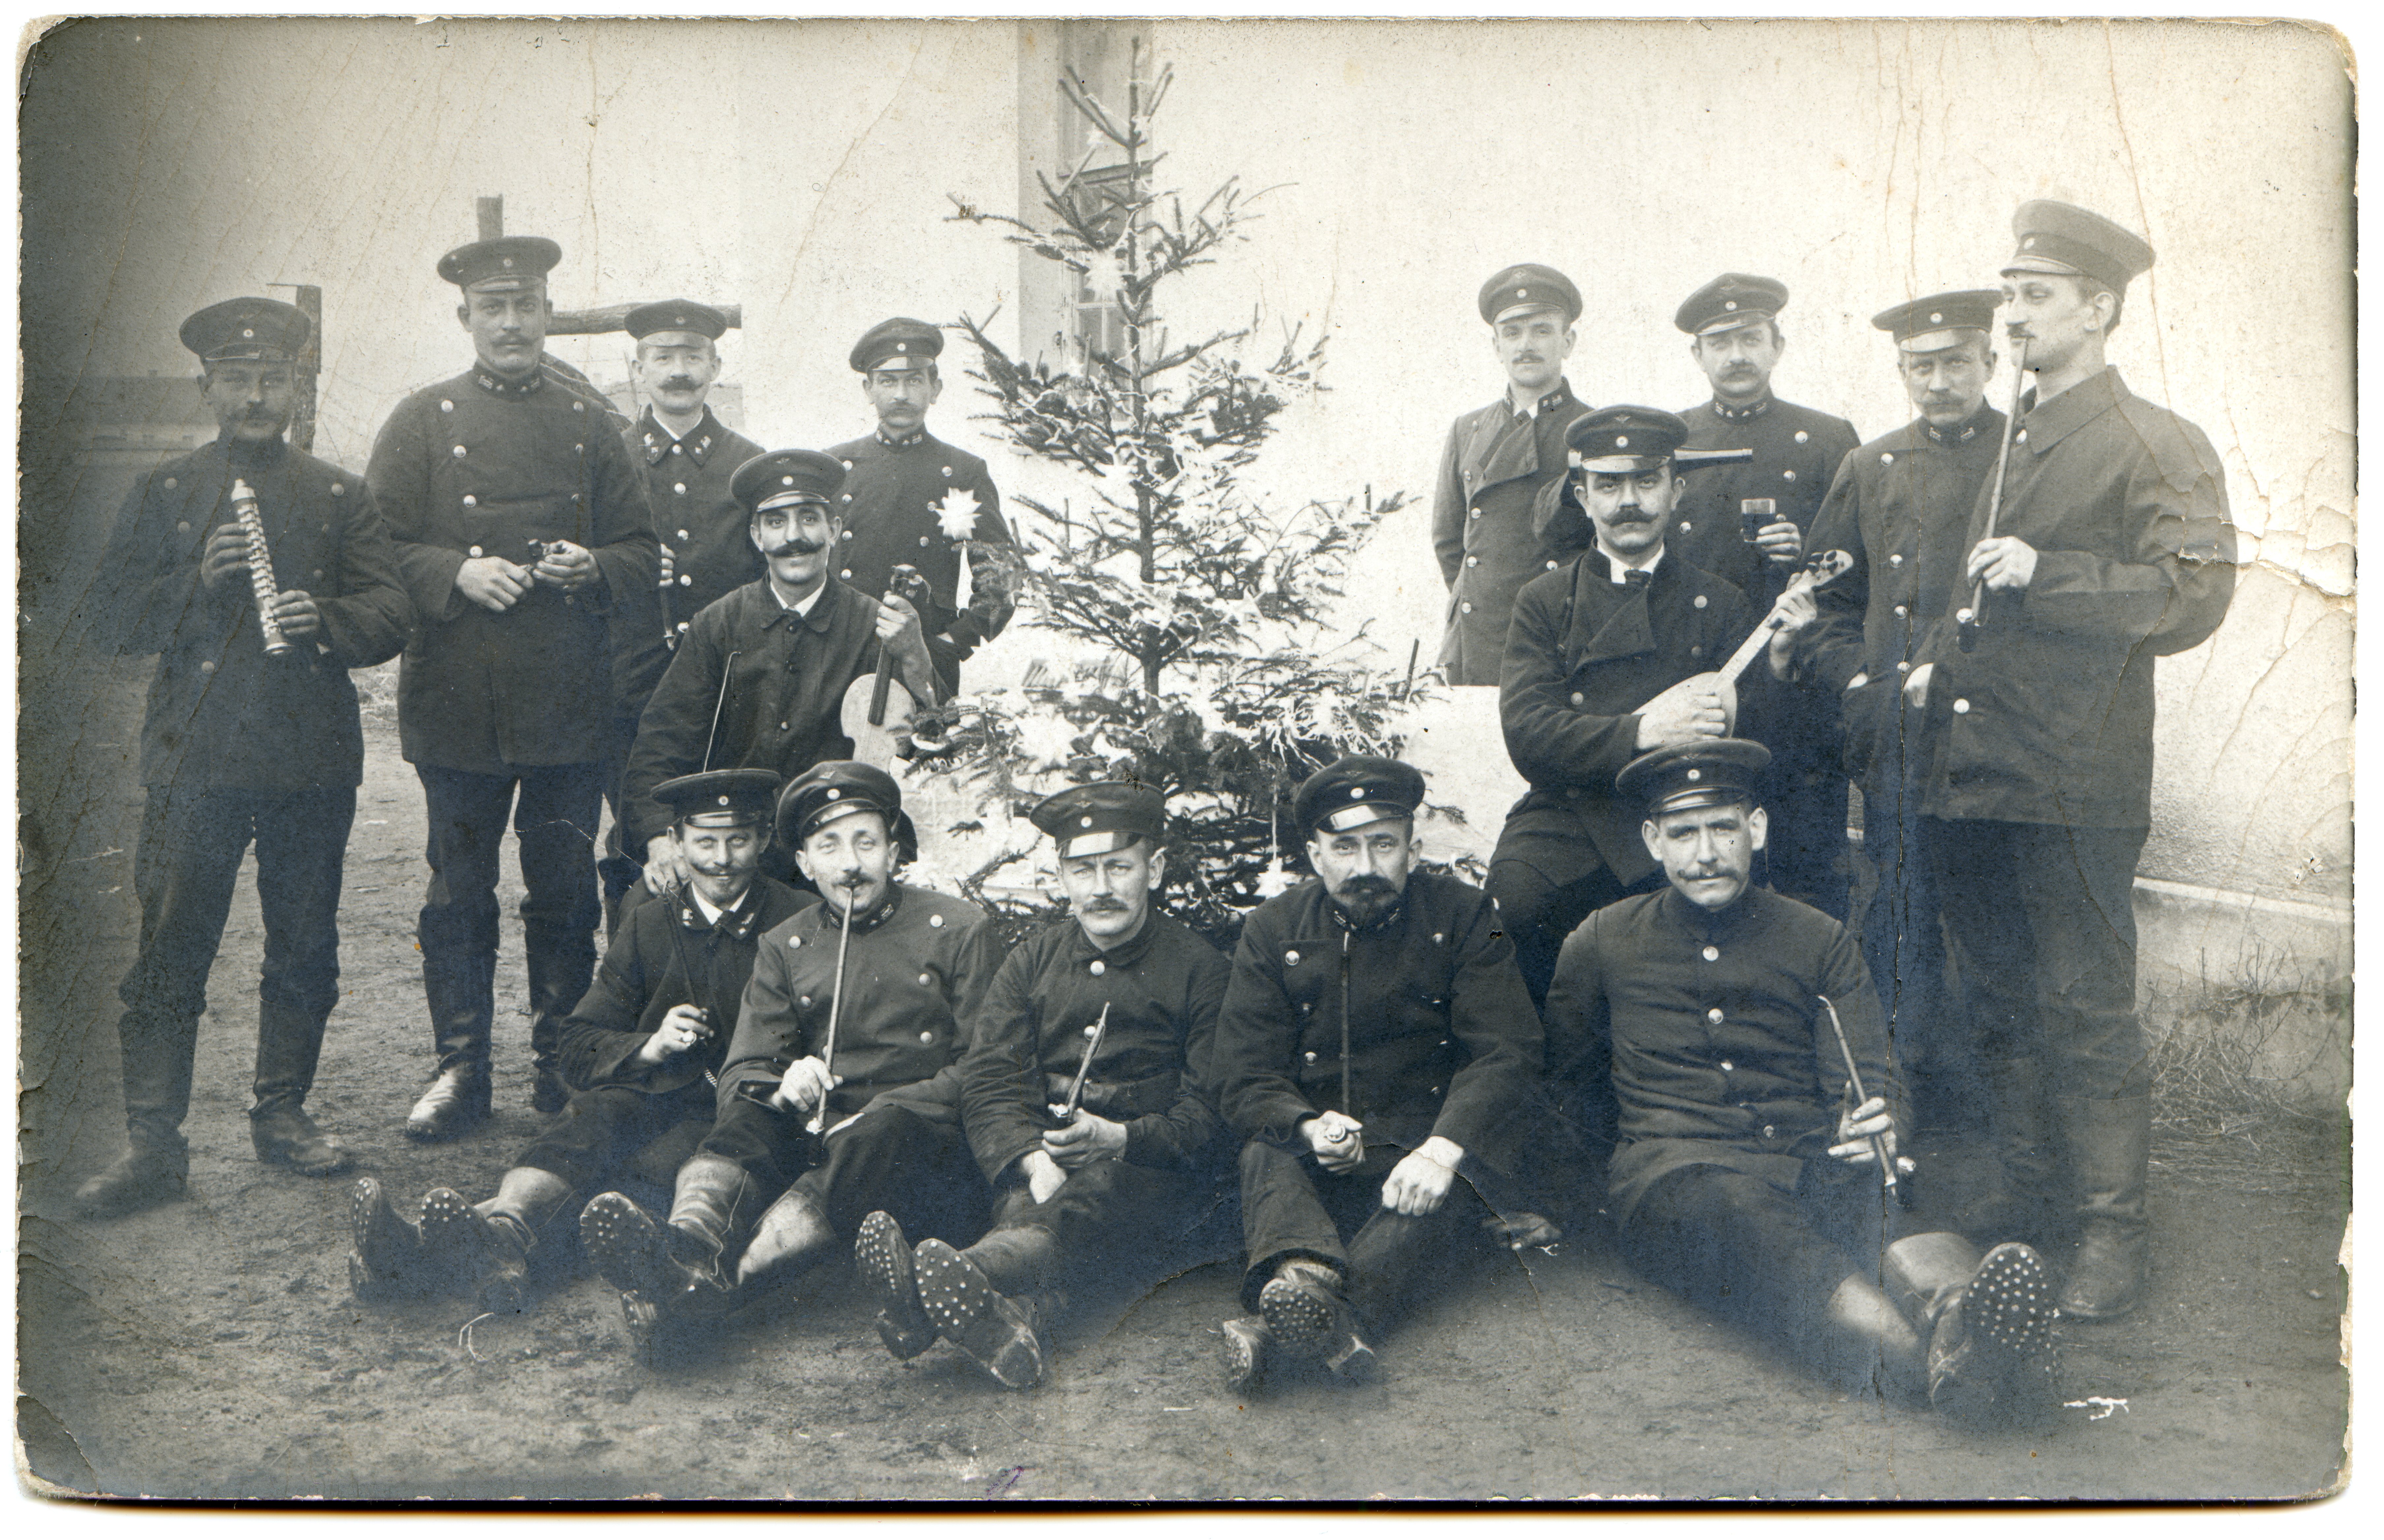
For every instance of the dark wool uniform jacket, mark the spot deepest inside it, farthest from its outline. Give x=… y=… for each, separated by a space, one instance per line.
x=221 y=713
x=1721 y=1054
x=1483 y=528
x=479 y=466
x=1162 y=990
x=669 y=955
x=786 y=692
x=2050 y=717
x=1582 y=655
x=712 y=551
x=1797 y=451
x=914 y=970
x=889 y=498
x=1440 y=1035
x=1899 y=507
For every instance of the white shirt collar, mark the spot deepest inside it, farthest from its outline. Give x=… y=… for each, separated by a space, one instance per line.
x=1615 y=565
x=797 y=611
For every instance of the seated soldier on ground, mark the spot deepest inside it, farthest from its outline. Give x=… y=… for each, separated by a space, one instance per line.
x=639 y=1052
x=1375 y=1053
x=1734 y=1183
x=1082 y=1099
x=836 y=1096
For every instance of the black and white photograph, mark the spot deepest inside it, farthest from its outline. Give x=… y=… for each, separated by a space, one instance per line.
x=899 y=761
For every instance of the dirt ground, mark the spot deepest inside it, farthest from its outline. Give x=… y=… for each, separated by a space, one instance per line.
x=211 y=1348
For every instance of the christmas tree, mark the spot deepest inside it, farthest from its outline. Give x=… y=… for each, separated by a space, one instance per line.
x=1211 y=663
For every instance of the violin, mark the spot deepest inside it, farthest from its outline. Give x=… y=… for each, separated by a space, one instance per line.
x=876 y=706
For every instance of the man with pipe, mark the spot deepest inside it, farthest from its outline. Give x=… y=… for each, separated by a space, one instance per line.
x=641 y=1052
x=1375 y=1047
x=2105 y=544
x=1756 y=1172
x=1082 y=1097
x=836 y=1093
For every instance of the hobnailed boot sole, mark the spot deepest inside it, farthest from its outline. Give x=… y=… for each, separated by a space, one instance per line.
x=1993 y=1348
x=451 y=1240
x=977 y=1318
x=884 y=1258
x=1308 y=1324
x=1244 y=1354
x=386 y=1261
x=625 y=1243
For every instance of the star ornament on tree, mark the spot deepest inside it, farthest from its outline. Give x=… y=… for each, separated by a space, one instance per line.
x=956 y=515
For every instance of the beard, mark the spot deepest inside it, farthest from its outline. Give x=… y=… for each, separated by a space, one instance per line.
x=1366 y=898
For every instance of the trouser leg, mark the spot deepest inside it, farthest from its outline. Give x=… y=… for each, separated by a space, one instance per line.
x=598 y=1130
x=1903 y=944
x=458 y=924
x=183 y=872
x=554 y=823
x=919 y=1171
x=619 y=866
x=1397 y=1260
x=1284 y=1215
x=301 y=846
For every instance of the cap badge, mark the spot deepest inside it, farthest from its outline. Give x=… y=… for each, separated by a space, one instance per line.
x=1356 y=793
x=1622 y=440
x=1085 y=822
x=1697 y=775
x=1730 y=305
x=2028 y=245
x=1935 y=317
x=1522 y=293
x=785 y=481
x=680 y=320
x=833 y=793
x=508 y=261
x=247 y=331
x=723 y=801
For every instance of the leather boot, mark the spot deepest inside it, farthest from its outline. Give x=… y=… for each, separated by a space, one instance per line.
x=462 y=996
x=676 y=1267
x=289 y=1043
x=560 y=960
x=526 y=1201
x=883 y=1259
x=1248 y=1344
x=388 y=1261
x=157 y=1051
x=977 y=1318
x=1309 y=1319
x=2110 y=1144
x=2017 y=1202
x=1987 y=1323
x=791 y=1236
x=1868 y=1344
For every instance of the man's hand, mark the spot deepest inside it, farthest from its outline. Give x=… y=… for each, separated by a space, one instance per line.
x=225 y=555
x=492 y=582
x=565 y=566
x=1517 y=1231
x=666 y=868
x=1044 y=1175
x=1690 y=710
x=680 y=1031
x=2003 y=564
x=1855 y=1129
x=1915 y=687
x=669 y=568
x=1084 y=1141
x=1782 y=542
x=1419 y=1184
x=1797 y=611
x=805 y=1085
x=1336 y=1140
x=899 y=631
x=295 y=612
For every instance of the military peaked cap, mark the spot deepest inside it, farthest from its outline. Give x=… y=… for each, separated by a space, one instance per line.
x=1729 y=302
x=835 y=788
x=508 y=262
x=675 y=315
x=1939 y=320
x=1101 y=817
x=1708 y=771
x=1529 y=286
x=901 y=340
x=247 y=328
x=1623 y=439
x=785 y=476
x=720 y=799
x=2063 y=238
x=1355 y=791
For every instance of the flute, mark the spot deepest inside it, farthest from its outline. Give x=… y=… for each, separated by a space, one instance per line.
x=260 y=567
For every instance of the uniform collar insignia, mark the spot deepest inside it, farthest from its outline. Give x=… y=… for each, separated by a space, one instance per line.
x=916 y=436
x=864 y=923
x=496 y=385
x=1384 y=921
x=1742 y=414
x=656 y=440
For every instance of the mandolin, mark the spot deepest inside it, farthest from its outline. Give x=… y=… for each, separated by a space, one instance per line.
x=1820 y=568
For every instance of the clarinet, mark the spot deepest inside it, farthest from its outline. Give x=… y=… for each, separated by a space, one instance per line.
x=260 y=567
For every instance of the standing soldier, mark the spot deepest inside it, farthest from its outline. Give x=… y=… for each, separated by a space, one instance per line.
x=1083 y=1100
x=688 y=455
x=1747 y=524
x=759 y=680
x=2106 y=545
x=519 y=524
x=897 y=970
x=243 y=741
x=1497 y=459
x=910 y=500
x=1898 y=508
x=1375 y=1042
x=642 y=1051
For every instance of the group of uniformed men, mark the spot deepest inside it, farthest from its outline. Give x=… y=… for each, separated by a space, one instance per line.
x=665 y=616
